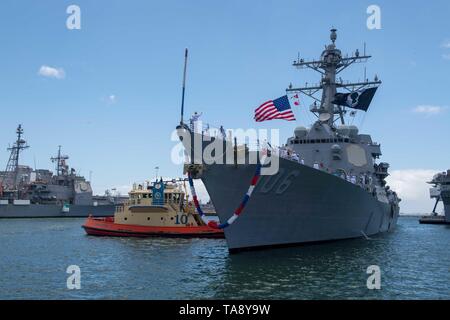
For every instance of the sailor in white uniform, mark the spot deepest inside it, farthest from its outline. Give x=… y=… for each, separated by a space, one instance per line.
x=194 y=121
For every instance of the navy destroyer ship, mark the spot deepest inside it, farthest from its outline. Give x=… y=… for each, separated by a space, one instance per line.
x=440 y=191
x=330 y=184
x=38 y=193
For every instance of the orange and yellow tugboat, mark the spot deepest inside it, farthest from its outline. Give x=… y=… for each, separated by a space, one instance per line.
x=158 y=210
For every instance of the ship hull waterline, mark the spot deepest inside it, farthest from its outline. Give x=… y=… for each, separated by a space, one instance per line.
x=314 y=207
x=444 y=219
x=434 y=220
x=11 y=211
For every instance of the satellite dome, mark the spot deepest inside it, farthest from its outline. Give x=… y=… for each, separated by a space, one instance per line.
x=349 y=131
x=300 y=132
x=335 y=148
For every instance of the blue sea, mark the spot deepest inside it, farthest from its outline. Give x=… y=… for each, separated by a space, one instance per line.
x=414 y=261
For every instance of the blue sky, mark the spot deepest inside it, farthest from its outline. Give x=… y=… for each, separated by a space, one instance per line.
x=240 y=55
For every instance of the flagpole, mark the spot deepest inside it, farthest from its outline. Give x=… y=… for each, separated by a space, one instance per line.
x=184 y=85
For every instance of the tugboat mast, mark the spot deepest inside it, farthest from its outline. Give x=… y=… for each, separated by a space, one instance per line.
x=329 y=66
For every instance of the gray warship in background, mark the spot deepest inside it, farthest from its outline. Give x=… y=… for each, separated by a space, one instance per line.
x=28 y=193
x=441 y=192
x=333 y=189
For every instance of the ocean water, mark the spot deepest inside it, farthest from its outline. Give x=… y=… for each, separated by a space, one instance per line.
x=414 y=261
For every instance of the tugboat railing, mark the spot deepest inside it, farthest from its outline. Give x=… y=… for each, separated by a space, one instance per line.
x=148 y=201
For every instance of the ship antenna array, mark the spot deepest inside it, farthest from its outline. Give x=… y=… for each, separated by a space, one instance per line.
x=12 y=168
x=60 y=162
x=329 y=66
x=156 y=173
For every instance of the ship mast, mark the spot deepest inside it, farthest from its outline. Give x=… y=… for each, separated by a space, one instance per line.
x=184 y=84
x=329 y=66
x=61 y=166
x=12 y=168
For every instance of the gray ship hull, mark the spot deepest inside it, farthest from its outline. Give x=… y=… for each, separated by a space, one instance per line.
x=54 y=211
x=315 y=207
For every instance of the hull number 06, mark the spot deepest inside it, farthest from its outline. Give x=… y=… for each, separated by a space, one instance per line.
x=279 y=182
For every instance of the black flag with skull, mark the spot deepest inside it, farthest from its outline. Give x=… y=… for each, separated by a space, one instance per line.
x=357 y=99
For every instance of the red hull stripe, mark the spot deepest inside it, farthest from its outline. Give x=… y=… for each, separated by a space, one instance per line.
x=112 y=233
x=104 y=227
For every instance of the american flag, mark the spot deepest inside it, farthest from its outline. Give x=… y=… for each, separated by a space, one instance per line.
x=275 y=109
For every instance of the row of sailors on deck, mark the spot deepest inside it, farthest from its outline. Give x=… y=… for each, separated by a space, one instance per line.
x=363 y=180
x=291 y=155
x=196 y=126
x=194 y=121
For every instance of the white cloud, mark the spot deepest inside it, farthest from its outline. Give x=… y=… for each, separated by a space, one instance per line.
x=50 y=72
x=446 y=44
x=411 y=186
x=112 y=99
x=446 y=56
x=429 y=109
